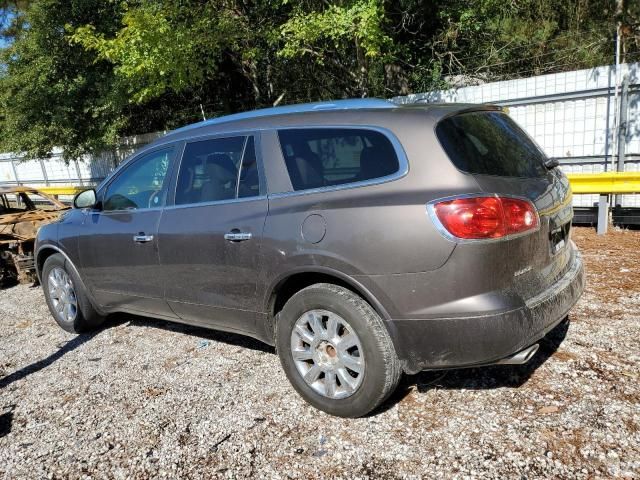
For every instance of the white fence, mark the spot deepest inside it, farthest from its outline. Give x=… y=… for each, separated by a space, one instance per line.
x=54 y=171
x=572 y=115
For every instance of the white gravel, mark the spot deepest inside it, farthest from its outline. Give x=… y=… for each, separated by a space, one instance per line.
x=143 y=398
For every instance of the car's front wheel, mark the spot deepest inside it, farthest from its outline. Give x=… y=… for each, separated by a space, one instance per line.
x=336 y=351
x=66 y=297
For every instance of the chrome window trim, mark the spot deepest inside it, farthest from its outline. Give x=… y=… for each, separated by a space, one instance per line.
x=403 y=162
x=431 y=213
x=333 y=188
x=89 y=211
x=215 y=202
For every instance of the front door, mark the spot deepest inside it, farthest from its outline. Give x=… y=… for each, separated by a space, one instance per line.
x=210 y=238
x=118 y=243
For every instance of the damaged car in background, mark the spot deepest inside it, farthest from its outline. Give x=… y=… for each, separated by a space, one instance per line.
x=23 y=210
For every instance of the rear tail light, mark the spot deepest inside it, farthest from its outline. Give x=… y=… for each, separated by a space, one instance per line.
x=485 y=217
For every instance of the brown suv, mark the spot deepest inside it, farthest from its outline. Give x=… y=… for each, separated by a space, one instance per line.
x=363 y=239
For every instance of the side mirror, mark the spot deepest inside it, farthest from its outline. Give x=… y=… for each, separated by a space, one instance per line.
x=85 y=199
x=551 y=163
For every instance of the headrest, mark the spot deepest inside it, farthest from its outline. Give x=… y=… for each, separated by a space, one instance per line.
x=220 y=168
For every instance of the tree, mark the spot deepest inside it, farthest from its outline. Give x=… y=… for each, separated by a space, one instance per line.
x=53 y=93
x=162 y=46
x=349 y=38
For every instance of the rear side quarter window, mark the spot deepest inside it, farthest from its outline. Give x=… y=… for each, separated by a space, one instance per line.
x=490 y=143
x=325 y=157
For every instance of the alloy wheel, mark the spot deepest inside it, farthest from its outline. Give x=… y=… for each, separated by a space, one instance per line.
x=62 y=294
x=328 y=354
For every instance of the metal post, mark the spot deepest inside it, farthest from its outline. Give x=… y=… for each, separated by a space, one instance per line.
x=44 y=172
x=622 y=127
x=617 y=86
x=603 y=214
x=622 y=131
x=78 y=172
x=15 y=171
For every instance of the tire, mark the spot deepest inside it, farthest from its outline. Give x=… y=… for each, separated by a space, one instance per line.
x=82 y=317
x=376 y=368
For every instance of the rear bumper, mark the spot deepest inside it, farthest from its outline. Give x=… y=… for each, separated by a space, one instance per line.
x=440 y=343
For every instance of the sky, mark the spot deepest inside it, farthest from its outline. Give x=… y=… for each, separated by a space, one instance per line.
x=5 y=18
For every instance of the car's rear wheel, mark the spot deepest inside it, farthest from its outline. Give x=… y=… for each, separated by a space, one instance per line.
x=336 y=351
x=66 y=298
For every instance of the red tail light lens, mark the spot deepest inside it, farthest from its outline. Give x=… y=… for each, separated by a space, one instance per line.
x=486 y=217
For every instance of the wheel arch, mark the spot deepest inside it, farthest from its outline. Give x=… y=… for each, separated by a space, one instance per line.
x=44 y=252
x=288 y=285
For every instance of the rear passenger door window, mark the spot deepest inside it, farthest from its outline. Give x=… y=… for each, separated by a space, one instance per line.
x=324 y=157
x=218 y=169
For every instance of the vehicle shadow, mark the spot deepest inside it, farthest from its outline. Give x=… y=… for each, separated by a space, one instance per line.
x=34 y=367
x=484 y=378
x=135 y=321
x=234 y=339
x=479 y=378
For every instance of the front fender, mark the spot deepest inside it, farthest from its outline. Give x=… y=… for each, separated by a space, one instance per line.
x=47 y=237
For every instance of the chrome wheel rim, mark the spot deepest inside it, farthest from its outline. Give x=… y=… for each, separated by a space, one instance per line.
x=62 y=295
x=327 y=354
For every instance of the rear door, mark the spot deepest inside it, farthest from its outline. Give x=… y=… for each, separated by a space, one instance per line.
x=503 y=159
x=210 y=237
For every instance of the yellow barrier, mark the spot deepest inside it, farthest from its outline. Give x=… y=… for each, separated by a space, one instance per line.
x=62 y=190
x=607 y=182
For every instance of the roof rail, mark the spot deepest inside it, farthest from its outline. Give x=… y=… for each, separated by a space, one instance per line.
x=359 y=103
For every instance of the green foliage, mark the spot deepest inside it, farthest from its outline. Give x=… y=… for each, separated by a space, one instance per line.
x=158 y=49
x=323 y=33
x=53 y=93
x=78 y=74
x=349 y=37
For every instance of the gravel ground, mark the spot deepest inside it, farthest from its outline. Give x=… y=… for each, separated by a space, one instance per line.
x=143 y=398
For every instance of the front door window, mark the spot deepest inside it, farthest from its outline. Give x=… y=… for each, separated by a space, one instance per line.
x=143 y=185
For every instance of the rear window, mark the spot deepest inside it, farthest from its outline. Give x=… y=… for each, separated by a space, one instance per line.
x=320 y=157
x=490 y=143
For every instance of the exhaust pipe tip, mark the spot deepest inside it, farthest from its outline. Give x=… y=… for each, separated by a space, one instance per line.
x=522 y=357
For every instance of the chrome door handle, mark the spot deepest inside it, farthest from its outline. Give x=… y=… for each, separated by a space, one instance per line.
x=142 y=238
x=237 y=236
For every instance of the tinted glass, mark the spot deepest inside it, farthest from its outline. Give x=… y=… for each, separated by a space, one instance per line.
x=490 y=143
x=140 y=185
x=209 y=170
x=249 y=182
x=319 y=157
